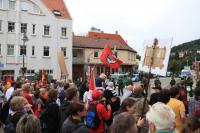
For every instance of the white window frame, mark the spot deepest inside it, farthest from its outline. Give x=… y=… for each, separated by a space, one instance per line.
x=12 y=25
x=10 y=2
x=46 y=30
x=63 y=31
x=33 y=51
x=10 y=49
x=64 y=49
x=22 y=50
x=33 y=29
x=36 y=9
x=24 y=27
x=44 y=49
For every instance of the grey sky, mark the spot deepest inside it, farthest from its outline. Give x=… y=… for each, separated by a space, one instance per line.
x=137 y=20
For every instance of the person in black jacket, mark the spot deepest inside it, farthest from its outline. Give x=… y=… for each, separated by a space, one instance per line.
x=73 y=123
x=52 y=115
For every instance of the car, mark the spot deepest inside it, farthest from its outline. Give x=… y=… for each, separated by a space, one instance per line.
x=135 y=77
x=185 y=73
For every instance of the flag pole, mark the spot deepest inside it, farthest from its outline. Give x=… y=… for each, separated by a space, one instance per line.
x=148 y=82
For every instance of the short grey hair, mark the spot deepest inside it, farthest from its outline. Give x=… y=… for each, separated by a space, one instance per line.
x=26 y=86
x=161 y=115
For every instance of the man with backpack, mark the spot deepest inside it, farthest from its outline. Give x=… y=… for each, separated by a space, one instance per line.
x=97 y=113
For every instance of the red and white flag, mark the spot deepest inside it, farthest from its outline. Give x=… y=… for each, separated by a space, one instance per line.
x=108 y=58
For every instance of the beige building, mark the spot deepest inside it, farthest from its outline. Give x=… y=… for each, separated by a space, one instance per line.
x=88 y=49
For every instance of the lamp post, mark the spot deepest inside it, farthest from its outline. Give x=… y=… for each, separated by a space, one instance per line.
x=24 y=39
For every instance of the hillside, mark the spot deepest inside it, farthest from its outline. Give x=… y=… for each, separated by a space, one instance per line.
x=184 y=54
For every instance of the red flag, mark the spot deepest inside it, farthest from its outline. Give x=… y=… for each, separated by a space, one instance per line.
x=109 y=59
x=43 y=78
x=8 y=80
x=92 y=81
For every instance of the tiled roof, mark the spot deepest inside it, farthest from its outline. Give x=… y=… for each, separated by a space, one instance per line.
x=87 y=42
x=115 y=36
x=58 y=5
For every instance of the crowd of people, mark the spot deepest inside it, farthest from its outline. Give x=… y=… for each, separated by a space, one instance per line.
x=62 y=107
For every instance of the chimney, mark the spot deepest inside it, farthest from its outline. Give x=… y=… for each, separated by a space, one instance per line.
x=116 y=32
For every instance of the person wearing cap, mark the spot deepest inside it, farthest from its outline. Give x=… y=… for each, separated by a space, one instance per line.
x=103 y=112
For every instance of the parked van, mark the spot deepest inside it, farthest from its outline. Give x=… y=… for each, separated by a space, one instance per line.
x=185 y=73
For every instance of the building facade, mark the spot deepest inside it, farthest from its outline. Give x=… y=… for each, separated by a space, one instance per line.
x=87 y=51
x=48 y=26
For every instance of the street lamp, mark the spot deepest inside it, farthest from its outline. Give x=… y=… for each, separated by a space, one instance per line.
x=24 y=39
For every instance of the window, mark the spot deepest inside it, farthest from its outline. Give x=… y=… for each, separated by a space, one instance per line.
x=46 y=51
x=24 y=6
x=11 y=26
x=46 y=30
x=75 y=54
x=30 y=71
x=1 y=3
x=33 y=50
x=95 y=54
x=22 y=50
x=33 y=30
x=0 y=25
x=12 y=4
x=64 y=31
x=23 y=28
x=64 y=51
x=10 y=49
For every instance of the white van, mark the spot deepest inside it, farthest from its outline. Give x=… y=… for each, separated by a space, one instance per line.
x=185 y=73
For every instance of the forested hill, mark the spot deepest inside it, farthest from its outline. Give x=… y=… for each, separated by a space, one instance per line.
x=184 y=54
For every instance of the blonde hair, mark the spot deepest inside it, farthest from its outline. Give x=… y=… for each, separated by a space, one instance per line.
x=17 y=103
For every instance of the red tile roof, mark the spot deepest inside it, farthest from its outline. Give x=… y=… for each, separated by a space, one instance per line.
x=58 y=5
x=98 y=43
x=115 y=36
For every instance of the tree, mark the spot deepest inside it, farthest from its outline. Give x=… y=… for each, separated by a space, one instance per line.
x=138 y=56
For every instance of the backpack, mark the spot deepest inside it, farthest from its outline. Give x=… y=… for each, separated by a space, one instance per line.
x=92 y=118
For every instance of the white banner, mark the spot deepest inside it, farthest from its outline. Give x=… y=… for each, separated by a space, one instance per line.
x=161 y=56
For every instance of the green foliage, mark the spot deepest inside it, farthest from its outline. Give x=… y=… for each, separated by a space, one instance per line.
x=138 y=57
x=191 y=48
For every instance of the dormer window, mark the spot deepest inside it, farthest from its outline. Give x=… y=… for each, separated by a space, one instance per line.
x=56 y=13
x=24 y=6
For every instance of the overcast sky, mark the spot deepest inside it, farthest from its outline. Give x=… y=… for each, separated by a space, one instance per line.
x=138 y=20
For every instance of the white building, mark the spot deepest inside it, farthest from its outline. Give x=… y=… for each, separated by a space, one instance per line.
x=49 y=30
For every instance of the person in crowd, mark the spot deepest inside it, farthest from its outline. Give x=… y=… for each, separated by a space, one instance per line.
x=19 y=106
x=191 y=125
x=71 y=95
x=161 y=118
x=124 y=123
x=188 y=83
x=128 y=91
x=26 y=93
x=128 y=105
x=10 y=90
x=120 y=86
x=103 y=112
x=164 y=96
x=154 y=98
x=178 y=107
x=114 y=101
x=138 y=96
x=83 y=88
x=52 y=109
x=100 y=81
x=28 y=124
x=74 y=124
x=157 y=82
x=173 y=81
x=194 y=102
x=144 y=81
x=38 y=104
x=183 y=95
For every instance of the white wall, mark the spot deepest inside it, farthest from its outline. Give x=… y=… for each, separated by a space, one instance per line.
x=54 y=41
